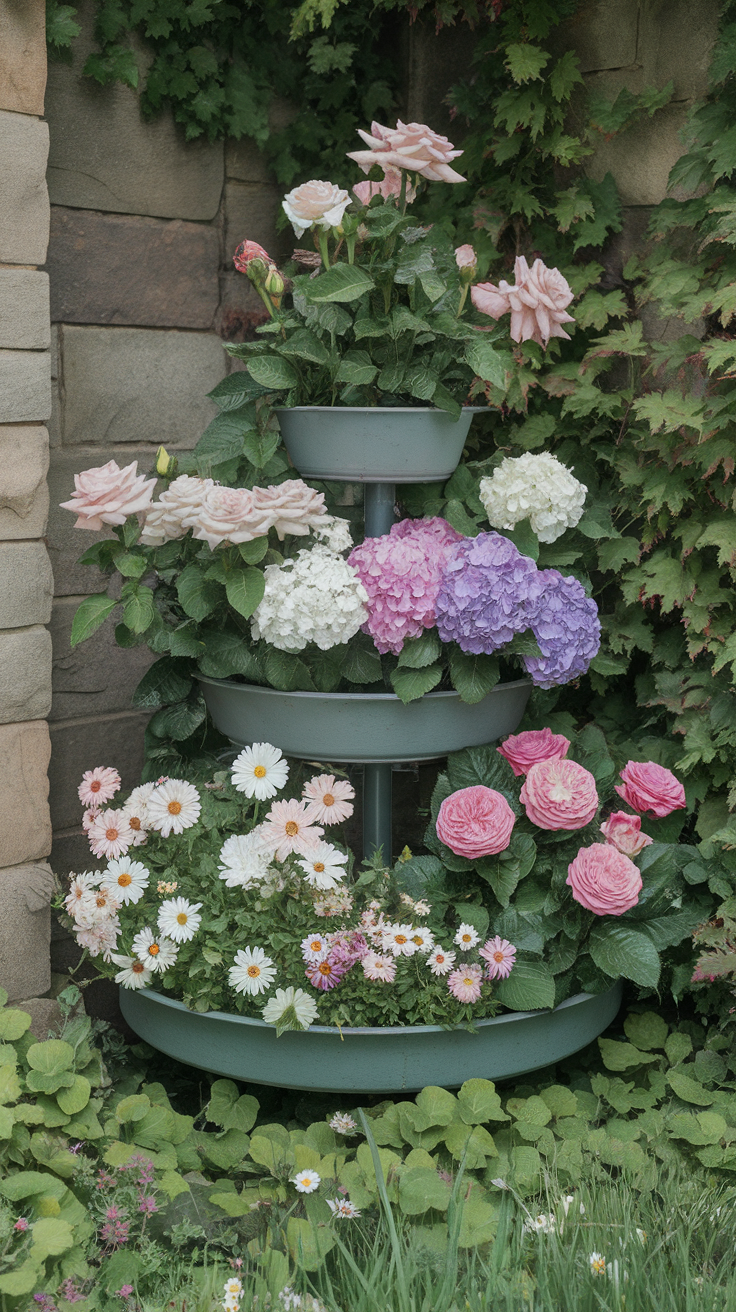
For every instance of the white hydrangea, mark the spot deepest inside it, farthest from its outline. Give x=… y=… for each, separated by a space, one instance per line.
x=334 y=532
x=316 y=597
x=538 y=488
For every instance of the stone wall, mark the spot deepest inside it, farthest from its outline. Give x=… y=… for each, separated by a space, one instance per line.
x=26 y=882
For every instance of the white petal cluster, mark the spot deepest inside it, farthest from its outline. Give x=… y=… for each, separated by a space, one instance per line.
x=538 y=488
x=317 y=597
x=334 y=532
x=165 y=518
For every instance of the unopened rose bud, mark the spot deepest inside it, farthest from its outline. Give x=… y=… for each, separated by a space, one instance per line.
x=467 y=262
x=163 y=460
x=247 y=252
x=274 y=282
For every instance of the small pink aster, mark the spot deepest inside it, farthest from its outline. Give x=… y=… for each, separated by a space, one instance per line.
x=325 y=974
x=110 y=835
x=98 y=786
x=377 y=967
x=464 y=984
x=89 y=818
x=287 y=828
x=329 y=801
x=21 y=1223
x=501 y=957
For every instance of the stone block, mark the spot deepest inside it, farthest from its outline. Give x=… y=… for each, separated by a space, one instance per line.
x=25 y=674
x=24 y=494
x=105 y=156
x=602 y=35
x=96 y=677
x=24 y=200
x=123 y=269
x=641 y=158
x=675 y=41
x=25 y=824
x=138 y=385
x=25 y=386
x=67 y=543
x=26 y=584
x=79 y=745
x=46 y=1017
x=25 y=930
x=251 y=210
x=24 y=309
x=240 y=313
x=22 y=55
x=69 y=854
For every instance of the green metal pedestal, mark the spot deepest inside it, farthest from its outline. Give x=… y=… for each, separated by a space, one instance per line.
x=378 y=511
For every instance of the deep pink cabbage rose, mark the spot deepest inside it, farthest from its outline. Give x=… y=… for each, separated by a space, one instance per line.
x=559 y=795
x=603 y=880
x=475 y=822
x=108 y=494
x=651 y=789
x=624 y=832
x=522 y=750
x=537 y=301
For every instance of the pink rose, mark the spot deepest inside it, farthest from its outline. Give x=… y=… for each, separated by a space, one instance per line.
x=475 y=822
x=315 y=203
x=604 y=880
x=624 y=832
x=651 y=789
x=522 y=750
x=411 y=146
x=537 y=301
x=227 y=514
x=389 y=187
x=107 y=495
x=466 y=258
x=293 y=507
x=246 y=253
x=559 y=794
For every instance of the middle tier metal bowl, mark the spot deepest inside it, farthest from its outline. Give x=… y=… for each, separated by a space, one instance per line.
x=362 y=727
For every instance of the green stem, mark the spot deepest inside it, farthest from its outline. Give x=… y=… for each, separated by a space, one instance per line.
x=266 y=300
x=463 y=298
x=323 y=246
x=402 y=193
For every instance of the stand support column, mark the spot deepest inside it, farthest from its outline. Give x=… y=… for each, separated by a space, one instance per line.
x=378 y=508
x=379 y=499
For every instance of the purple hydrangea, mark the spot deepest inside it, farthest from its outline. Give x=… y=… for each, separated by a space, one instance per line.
x=488 y=594
x=401 y=572
x=567 y=628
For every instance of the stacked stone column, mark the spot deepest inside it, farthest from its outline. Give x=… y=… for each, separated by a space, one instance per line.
x=26 y=882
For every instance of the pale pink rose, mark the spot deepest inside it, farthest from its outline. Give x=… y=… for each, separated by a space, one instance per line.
x=559 y=794
x=389 y=187
x=538 y=301
x=165 y=518
x=315 y=202
x=524 y=749
x=651 y=789
x=475 y=822
x=604 y=880
x=411 y=146
x=292 y=507
x=108 y=494
x=466 y=258
x=227 y=514
x=624 y=832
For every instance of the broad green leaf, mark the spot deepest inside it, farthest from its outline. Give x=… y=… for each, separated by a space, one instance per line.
x=259 y=447
x=689 y=1090
x=13 y=1024
x=222 y=654
x=23 y=1279
x=420 y=1189
x=245 y=589
x=478 y=1102
x=479 y=1220
x=473 y=676
x=623 y=950
x=411 y=684
x=501 y=875
x=51 y=1056
x=130 y=565
x=254 y=551
x=356 y=367
x=529 y=987
x=90 y=614
x=198 y=595
x=342 y=283
x=438 y=1106
x=488 y=363
x=51 y=1236
x=417 y=653
x=133 y=1108
x=622 y=1056
x=273 y=372
x=233 y=1204
x=10 y=1090
x=308 y=1243
x=73 y=1099
x=234 y=391
x=420 y=381
x=361 y=664
x=7 y=1121
x=307 y=346
x=285 y=671
x=165 y=682
x=228 y=1109
x=178 y=721
x=525 y=62
x=226 y=1151
x=647 y=1031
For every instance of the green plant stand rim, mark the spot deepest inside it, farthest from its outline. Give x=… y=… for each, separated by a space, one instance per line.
x=372 y=1060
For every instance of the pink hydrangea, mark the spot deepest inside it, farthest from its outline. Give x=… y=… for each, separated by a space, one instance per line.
x=475 y=822
x=559 y=795
x=623 y=831
x=603 y=880
x=401 y=572
x=651 y=789
x=522 y=750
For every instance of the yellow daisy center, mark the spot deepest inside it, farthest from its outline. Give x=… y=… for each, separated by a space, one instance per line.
x=254 y=971
x=182 y=918
x=325 y=968
x=498 y=956
x=124 y=880
x=260 y=772
x=154 y=950
x=318 y=867
x=174 y=808
x=401 y=938
x=468 y=981
x=291 y=828
x=328 y=799
x=137 y=968
x=316 y=945
x=111 y=835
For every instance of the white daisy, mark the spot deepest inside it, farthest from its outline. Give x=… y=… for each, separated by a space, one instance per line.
x=178 y=919
x=101 y=938
x=305 y=1008
x=137 y=817
x=260 y=771
x=243 y=860
x=126 y=879
x=315 y=947
x=173 y=807
x=81 y=890
x=323 y=866
x=422 y=908
x=133 y=975
x=342 y=1123
x=441 y=962
x=101 y=905
x=399 y=940
x=253 y=971
x=466 y=937
x=306 y=1182
x=155 y=951
x=423 y=939
x=342 y=1208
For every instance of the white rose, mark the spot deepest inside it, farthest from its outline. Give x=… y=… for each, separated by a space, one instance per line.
x=320 y=203
x=227 y=514
x=293 y=507
x=164 y=520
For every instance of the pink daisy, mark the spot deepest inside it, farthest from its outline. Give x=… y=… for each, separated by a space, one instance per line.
x=378 y=967
x=501 y=957
x=89 y=818
x=328 y=799
x=110 y=835
x=98 y=786
x=325 y=974
x=287 y=828
x=464 y=984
